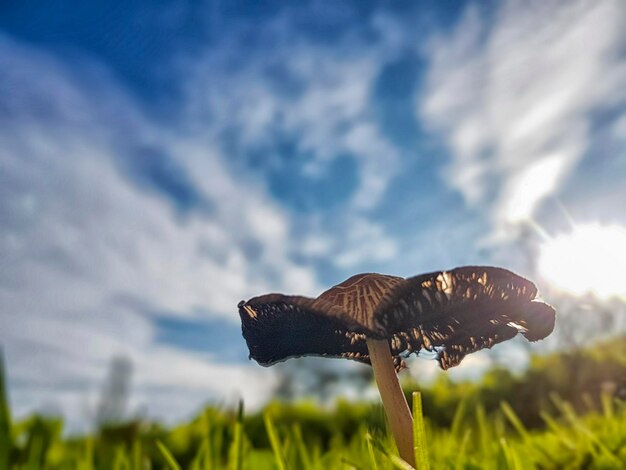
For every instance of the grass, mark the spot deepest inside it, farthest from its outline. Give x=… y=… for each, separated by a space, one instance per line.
x=593 y=441
x=463 y=430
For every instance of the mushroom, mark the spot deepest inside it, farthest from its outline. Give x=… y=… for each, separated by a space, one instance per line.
x=379 y=320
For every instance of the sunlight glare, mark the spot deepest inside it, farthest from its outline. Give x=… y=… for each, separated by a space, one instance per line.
x=589 y=259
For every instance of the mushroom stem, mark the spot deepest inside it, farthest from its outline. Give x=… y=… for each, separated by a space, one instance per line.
x=394 y=401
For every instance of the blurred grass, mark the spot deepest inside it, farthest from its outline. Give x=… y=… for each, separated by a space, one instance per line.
x=5 y=420
x=509 y=423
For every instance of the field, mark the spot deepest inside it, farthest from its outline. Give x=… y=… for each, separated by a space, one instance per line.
x=566 y=411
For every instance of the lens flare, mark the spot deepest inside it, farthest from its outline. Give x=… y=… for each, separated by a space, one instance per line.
x=591 y=259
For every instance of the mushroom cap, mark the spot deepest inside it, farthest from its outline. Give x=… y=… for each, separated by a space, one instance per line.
x=335 y=324
x=452 y=313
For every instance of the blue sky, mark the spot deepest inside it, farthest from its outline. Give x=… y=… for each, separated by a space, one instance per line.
x=160 y=161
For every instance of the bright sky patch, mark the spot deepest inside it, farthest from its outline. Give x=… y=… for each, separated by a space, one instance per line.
x=590 y=259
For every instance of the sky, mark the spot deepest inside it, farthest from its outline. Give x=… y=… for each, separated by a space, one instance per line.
x=162 y=160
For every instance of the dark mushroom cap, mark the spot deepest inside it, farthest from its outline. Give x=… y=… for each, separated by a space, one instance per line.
x=452 y=313
x=335 y=324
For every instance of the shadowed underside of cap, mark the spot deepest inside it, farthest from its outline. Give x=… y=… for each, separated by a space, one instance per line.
x=461 y=311
x=277 y=327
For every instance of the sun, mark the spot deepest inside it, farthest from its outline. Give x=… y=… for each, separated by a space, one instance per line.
x=591 y=259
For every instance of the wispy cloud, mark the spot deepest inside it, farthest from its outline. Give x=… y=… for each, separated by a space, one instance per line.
x=92 y=253
x=110 y=216
x=316 y=99
x=515 y=95
x=317 y=96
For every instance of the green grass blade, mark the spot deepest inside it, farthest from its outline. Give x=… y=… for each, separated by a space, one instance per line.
x=514 y=420
x=305 y=459
x=137 y=457
x=461 y=457
x=169 y=458
x=207 y=442
x=512 y=462
x=275 y=442
x=593 y=439
x=34 y=455
x=199 y=462
x=607 y=406
x=86 y=462
x=370 y=451
x=457 y=421
x=558 y=430
x=5 y=420
x=419 y=434
x=121 y=461
x=235 y=461
x=484 y=435
x=348 y=464
x=395 y=460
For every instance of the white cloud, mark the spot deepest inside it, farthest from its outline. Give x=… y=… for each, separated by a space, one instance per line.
x=515 y=97
x=350 y=241
x=527 y=188
x=324 y=102
x=329 y=112
x=366 y=242
x=316 y=245
x=87 y=254
x=92 y=253
x=619 y=128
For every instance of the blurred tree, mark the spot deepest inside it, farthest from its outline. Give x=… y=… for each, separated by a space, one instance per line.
x=319 y=379
x=115 y=393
